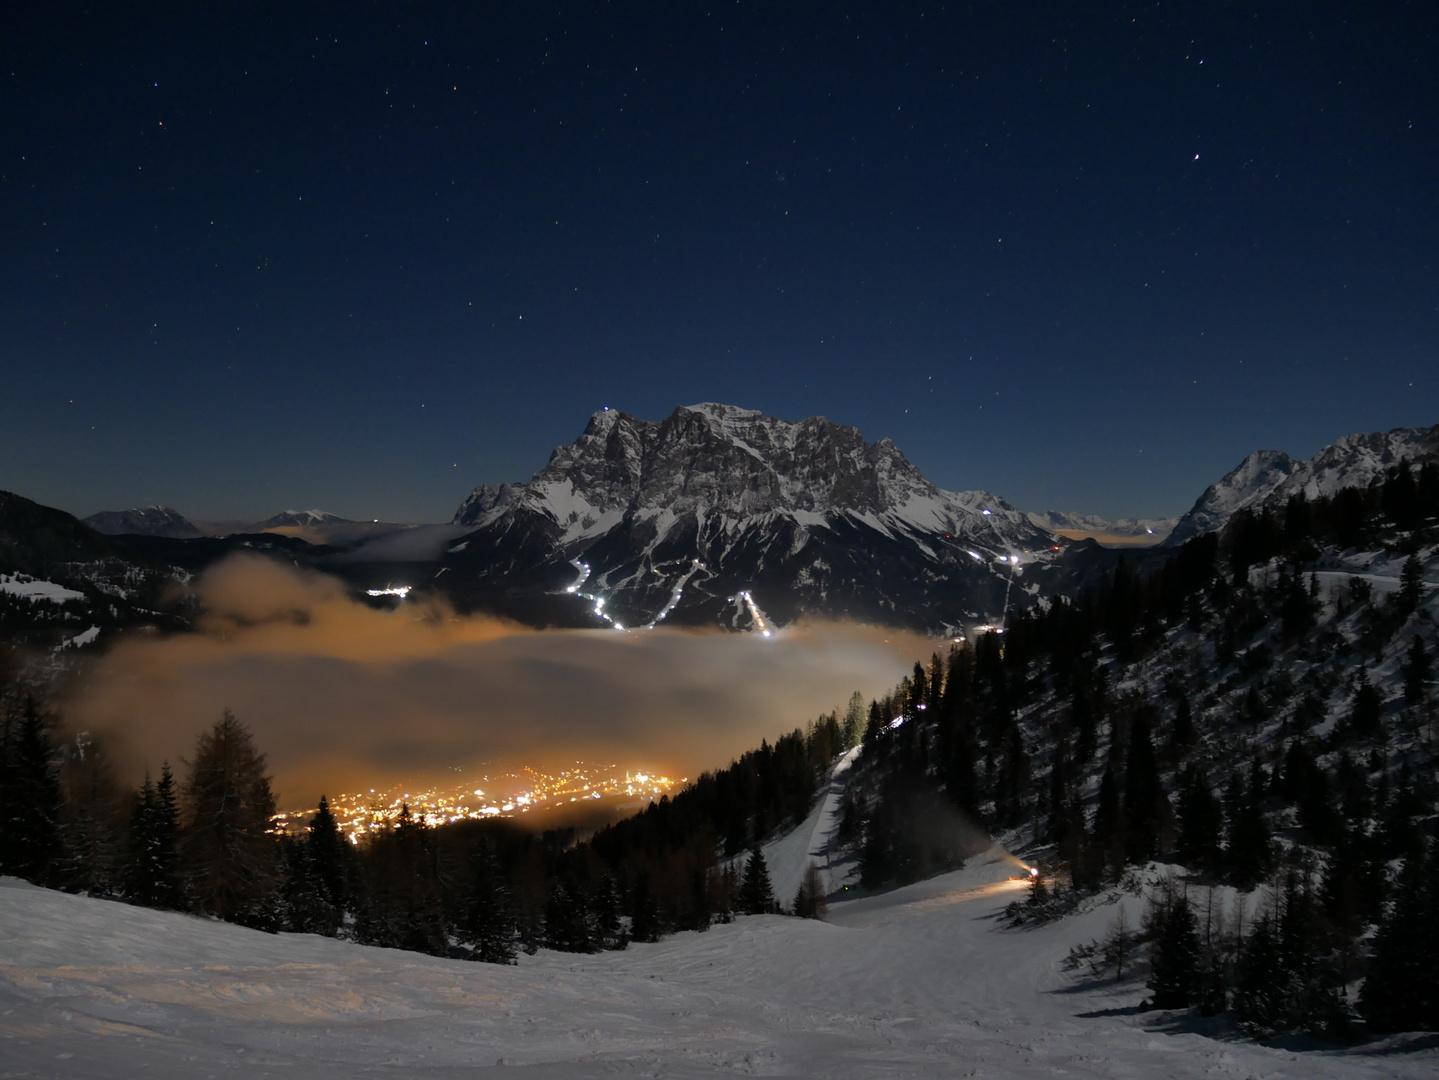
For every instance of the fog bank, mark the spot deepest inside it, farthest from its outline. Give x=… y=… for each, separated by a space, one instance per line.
x=345 y=697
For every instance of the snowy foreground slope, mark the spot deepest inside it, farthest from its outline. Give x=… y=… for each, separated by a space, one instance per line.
x=921 y=982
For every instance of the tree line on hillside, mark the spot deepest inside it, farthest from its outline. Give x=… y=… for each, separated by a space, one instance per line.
x=1315 y=786
x=206 y=843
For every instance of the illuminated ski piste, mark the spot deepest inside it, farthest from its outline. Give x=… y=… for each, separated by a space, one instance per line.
x=761 y=623
x=584 y=569
x=675 y=594
x=1013 y=561
x=599 y=601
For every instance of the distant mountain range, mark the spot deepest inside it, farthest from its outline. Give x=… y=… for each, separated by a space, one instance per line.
x=721 y=514
x=169 y=522
x=715 y=515
x=1116 y=532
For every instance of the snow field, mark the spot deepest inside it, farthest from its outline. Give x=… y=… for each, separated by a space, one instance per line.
x=921 y=982
x=34 y=589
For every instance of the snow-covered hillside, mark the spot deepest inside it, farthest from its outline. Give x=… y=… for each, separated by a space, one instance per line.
x=1270 y=477
x=922 y=982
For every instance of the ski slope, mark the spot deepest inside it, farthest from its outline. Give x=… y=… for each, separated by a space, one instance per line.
x=787 y=857
x=920 y=982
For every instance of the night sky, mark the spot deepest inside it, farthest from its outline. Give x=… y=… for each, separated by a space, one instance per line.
x=364 y=257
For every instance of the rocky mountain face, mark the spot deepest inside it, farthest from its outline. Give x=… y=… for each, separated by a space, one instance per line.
x=146 y=521
x=1269 y=477
x=718 y=514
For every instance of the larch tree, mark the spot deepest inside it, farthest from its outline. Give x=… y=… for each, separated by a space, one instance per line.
x=809 y=899
x=229 y=854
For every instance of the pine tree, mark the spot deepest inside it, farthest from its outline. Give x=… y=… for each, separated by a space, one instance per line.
x=1201 y=822
x=1364 y=711
x=1259 y=997
x=1399 y=832
x=403 y=904
x=331 y=855
x=230 y=858
x=567 y=922
x=1012 y=784
x=609 y=933
x=1411 y=585
x=1296 y=613
x=1314 y=987
x=1174 y=956
x=152 y=873
x=644 y=910
x=1060 y=792
x=1107 y=820
x=30 y=800
x=1146 y=806
x=1287 y=980
x=304 y=905
x=488 y=923
x=1248 y=852
x=879 y=859
x=1308 y=787
x=1038 y=888
x=136 y=883
x=92 y=822
x=853 y=728
x=1418 y=669
x=1401 y=992
x=1182 y=736
x=756 y=893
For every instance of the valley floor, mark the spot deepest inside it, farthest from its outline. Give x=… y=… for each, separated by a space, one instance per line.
x=921 y=982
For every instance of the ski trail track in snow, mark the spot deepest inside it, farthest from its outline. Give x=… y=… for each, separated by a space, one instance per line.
x=812 y=840
x=918 y=983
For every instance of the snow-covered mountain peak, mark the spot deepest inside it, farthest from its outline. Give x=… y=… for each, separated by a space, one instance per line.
x=749 y=498
x=1270 y=477
x=157 y=520
x=717 y=459
x=301 y=518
